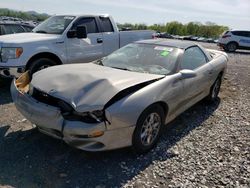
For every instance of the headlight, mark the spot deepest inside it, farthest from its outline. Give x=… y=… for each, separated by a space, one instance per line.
x=98 y=115
x=10 y=53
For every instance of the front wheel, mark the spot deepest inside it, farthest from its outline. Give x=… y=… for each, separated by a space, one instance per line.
x=40 y=64
x=148 y=129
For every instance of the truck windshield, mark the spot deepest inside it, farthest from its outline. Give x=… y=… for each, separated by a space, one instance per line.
x=54 y=25
x=145 y=58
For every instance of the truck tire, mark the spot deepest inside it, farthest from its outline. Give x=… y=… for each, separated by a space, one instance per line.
x=231 y=46
x=40 y=64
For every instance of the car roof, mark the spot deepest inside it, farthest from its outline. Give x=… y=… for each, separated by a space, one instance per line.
x=171 y=43
x=241 y=30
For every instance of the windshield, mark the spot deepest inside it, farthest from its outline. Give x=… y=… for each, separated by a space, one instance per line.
x=145 y=58
x=54 y=25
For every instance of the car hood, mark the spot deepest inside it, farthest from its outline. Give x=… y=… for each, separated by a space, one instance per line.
x=27 y=37
x=87 y=86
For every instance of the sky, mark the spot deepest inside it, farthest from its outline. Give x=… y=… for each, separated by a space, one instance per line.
x=232 y=13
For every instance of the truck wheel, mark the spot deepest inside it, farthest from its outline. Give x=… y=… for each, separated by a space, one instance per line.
x=231 y=46
x=40 y=64
x=148 y=128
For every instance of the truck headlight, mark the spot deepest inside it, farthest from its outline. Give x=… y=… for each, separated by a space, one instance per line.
x=10 y=53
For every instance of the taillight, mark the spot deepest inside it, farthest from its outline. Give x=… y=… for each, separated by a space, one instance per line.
x=226 y=36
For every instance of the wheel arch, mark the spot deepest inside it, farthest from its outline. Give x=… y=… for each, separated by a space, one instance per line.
x=162 y=104
x=48 y=55
x=233 y=42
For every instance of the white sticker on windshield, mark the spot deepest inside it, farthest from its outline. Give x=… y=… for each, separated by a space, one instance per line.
x=162 y=48
x=68 y=17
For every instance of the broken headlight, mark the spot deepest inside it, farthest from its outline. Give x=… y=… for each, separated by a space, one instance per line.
x=96 y=116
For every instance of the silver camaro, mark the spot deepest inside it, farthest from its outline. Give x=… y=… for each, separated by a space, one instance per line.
x=124 y=99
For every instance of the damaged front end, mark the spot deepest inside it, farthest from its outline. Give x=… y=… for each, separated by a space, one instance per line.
x=67 y=111
x=56 y=118
x=90 y=130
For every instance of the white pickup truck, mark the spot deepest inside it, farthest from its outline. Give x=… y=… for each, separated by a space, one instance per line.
x=63 y=39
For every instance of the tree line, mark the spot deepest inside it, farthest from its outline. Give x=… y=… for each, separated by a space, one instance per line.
x=23 y=15
x=208 y=29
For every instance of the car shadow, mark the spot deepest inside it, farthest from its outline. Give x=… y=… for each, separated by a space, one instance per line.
x=31 y=159
x=5 y=96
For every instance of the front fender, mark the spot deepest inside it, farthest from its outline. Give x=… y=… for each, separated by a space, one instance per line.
x=126 y=111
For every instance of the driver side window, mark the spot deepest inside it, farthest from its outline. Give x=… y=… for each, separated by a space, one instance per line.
x=89 y=23
x=193 y=58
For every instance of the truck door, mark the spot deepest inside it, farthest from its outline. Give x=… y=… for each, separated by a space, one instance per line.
x=110 y=36
x=88 y=49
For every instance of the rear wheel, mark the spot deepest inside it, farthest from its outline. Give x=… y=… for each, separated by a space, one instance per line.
x=231 y=47
x=40 y=64
x=148 y=129
x=214 y=90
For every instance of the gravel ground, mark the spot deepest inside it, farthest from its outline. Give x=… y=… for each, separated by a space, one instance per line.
x=207 y=146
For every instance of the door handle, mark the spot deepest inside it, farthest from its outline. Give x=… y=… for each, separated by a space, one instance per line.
x=99 y=40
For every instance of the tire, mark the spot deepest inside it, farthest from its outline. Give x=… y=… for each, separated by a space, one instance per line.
x=40 y=64
x=147 y=134
x=214 y=90
x=231 y=46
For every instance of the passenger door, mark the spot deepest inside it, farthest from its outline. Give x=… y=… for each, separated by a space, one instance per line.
x=110 y=37
x=197 y=87
x=88 y=49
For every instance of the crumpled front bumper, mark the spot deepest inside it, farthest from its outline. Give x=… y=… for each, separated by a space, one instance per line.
x=77 y=134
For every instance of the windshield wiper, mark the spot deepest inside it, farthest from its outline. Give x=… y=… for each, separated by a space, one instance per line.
x=99 y=62
x=41 y=31
x=121 y=68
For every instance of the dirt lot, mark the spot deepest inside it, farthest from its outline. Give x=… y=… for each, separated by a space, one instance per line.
x=207 y=146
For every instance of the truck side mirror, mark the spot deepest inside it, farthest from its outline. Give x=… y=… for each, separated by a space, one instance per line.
x=81 y=32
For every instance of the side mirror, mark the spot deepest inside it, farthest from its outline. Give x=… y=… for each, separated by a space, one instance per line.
x=186 y=73
x=81 y=32
x=71 y=34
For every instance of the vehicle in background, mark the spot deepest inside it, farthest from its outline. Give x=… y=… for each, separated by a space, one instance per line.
x=194 y=38
x=187 y=37
x=165 y=35
x=178 y=37
x=64 y=39
x=235 y=39
x=11 y=27
x=210 y=40
x=202 y=39
x=123 y=100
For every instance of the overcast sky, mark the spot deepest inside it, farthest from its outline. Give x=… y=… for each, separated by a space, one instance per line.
x=232 y=13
